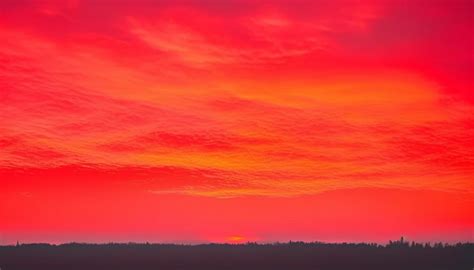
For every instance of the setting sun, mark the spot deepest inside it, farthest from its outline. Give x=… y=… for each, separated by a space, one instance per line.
x=237 y=239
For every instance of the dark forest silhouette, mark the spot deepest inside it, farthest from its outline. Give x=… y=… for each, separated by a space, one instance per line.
x=293 y=255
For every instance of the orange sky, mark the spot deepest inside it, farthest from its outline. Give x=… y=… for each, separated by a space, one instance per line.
x=234 y=121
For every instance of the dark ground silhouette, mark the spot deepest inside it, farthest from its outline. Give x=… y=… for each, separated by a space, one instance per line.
x=294 y=255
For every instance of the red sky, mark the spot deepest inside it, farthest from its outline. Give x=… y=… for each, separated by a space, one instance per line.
x=234 y=121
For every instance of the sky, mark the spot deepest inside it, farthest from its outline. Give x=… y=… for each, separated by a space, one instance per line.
x=235 y=121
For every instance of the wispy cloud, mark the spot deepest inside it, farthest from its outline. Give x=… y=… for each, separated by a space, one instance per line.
x=268 y=102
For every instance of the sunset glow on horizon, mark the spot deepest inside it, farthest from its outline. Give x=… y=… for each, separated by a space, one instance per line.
x=235 y=121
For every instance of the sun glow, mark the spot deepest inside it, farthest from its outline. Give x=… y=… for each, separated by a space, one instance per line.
x=236 y=239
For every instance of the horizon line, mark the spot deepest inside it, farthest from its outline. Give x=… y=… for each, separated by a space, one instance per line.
x=389 y=243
